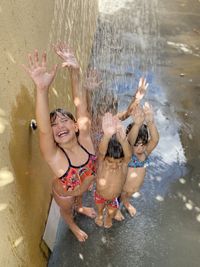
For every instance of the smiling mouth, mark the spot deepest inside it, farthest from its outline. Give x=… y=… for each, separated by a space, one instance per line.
x=63 y=133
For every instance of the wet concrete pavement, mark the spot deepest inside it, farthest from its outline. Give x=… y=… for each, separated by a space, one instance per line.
x=160 y=39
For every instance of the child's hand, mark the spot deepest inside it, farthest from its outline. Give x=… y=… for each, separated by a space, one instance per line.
x=141 y=90
x=38 y=71
x=148 y=112
x=67 y=54
x=92 y=80
x=140 y=93
x=138 y=116
x=109 y=124
x=121 y=133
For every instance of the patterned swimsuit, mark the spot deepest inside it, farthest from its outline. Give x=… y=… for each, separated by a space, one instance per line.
x=75 y=175
x=136 y=163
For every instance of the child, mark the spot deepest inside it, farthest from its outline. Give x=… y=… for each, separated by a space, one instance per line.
x=142 y=146
x=65 y=143
x=114 y=154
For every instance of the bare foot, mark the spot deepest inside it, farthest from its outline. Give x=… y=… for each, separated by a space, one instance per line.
x=108 y=222
x=80 y=234
x=99 y=220
x=130 y=208
x=90 y=212
x=119 y=216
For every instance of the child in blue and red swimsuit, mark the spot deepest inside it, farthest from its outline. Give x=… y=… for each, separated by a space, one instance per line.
x=142 y=145
x=65 y=142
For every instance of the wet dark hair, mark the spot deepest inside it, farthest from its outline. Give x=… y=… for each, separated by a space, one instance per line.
x=56 y=112
x=115 y=149
x=143 y=134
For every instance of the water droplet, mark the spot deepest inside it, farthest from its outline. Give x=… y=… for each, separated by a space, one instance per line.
x=103 y=239
x=189 y=206
x=81 y=256
x=159 y=198
x=158 y=178
x=182 y=181
x=198 y=218
x=136 y=195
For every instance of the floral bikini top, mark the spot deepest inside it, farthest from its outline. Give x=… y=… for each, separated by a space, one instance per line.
x=75 y=175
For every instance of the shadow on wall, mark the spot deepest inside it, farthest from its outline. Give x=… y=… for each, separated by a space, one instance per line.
x=21 y=144
x=32 y=180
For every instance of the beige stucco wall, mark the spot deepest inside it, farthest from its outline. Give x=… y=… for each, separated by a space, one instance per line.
x=24 y=176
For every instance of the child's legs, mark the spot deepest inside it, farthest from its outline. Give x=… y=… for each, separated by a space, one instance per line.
x=119 y=216
x=66 y=205
x=125 y=197
x=111 y=212
x=99 y=219
x=90 y=212
x=134 y=181
x=100 y=205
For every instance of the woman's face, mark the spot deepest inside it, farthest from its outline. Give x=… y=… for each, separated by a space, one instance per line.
x=64 y=129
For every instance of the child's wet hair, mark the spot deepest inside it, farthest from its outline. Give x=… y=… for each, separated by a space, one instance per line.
x=56 y=112
x=115 y=149
x=143 y=134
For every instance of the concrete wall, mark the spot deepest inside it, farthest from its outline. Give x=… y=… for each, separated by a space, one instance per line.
x=24 y=176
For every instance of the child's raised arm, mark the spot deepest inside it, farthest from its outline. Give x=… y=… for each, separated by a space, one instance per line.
x=122 y=139
x=42 y=79
x=154 y=135
x=78 y=92
x=138 y=121
x=140 y=93
x=109 y=128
